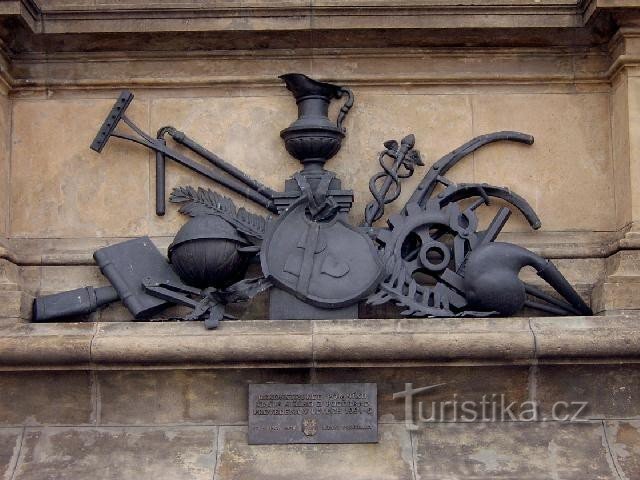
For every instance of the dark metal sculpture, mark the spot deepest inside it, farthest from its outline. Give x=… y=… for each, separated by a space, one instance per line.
x=438 y=263
x=430 y=259
x=405 y=160
x=125 y=265
x=239 y=183
x=311 y=251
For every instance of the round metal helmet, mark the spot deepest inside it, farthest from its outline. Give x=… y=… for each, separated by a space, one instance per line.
x=207 y=227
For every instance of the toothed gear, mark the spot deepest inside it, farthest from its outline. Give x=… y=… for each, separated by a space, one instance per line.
x=429 y=244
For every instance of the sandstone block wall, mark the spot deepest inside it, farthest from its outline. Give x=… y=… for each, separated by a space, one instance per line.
x=563 y=72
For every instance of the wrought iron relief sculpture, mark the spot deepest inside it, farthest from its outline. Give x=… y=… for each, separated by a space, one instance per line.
x=430 y=258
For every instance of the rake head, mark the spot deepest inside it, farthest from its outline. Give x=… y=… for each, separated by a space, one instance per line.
x=111 y=121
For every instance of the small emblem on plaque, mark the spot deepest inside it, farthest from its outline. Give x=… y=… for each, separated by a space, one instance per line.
x=309 y=427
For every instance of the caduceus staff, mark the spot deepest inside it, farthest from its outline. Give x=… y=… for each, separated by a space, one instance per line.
x=405 y=159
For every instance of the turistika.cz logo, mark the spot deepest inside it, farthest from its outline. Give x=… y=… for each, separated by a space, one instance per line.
x=494 y=407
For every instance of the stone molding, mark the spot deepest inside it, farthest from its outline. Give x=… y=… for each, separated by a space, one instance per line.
x=87 y=16
x=320 y=343
x=414 y=67
x=580 y=61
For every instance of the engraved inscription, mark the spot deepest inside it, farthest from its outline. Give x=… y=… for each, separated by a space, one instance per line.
x=320 y=413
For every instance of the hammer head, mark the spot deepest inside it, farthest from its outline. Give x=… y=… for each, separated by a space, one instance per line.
x=111 y=121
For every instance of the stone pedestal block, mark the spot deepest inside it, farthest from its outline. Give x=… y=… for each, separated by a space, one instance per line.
x=620 y=289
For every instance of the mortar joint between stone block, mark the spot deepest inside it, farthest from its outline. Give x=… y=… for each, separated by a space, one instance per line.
x=611 y=453
x=414 y=469
x=14 y=468
x=535 y=341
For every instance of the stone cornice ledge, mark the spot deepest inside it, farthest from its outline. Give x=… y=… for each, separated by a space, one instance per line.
x=137 y=15
x=300 y=344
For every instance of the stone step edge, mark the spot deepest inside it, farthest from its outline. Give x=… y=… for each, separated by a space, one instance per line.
x=317 y=343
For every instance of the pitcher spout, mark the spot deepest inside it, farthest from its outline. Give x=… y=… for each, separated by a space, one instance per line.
x=302 y=86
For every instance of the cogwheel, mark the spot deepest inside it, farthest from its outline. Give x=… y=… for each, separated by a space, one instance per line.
x=423 y=249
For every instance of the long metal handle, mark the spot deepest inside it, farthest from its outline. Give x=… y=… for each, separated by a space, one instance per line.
x=230 y=183
x=160 y=179
x=195 y=147
x=263 y=197
x=428 y=184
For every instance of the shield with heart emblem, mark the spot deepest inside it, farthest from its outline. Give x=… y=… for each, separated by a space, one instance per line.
x=326 y=264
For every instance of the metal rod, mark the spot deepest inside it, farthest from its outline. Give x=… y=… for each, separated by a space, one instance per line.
x=496 y=225
x=544 y=307
x=160 y=179
x=230 y=183
x=428 y=184
x=195 y=147
x=536 y=292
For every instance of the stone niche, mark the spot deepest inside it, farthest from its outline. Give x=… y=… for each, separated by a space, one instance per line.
x=94 y=398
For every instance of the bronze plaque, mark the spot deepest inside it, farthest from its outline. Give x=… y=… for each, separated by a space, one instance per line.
x=317 y=413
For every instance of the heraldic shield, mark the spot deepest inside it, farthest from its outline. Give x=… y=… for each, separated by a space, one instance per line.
x=326 y=264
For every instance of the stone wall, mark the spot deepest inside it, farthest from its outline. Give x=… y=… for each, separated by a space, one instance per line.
x=169 y=401
x=563 y=72
x=115 y=399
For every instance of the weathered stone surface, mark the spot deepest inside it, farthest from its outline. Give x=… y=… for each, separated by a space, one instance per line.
x=390 y=459
x=118 y=453
x=9 y=448
x=522 y=450
x=620 y=287
x=612 y=391
x=620 y=143
x=15 y=304
x=5 y=142
x=183 y=396
x=51 y=344
x=567 y=174
x=624 y=441
x=455 y=383
x=586 y=337
x=59 y=278
x=441 y=123
x=46 y=397
x=10 y=277
x=323 y=343
x=54 y=172
x=421 y=339
x=634 y=142
x=244 y=131
x=615 y=296
x=179 y=343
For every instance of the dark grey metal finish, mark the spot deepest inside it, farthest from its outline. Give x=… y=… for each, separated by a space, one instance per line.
x=285 y=306
x=438 y=264
x=81 y=301
x=215 y=160
x=158 y=145
x=208 y=303
x=431 y=259
x=405 y=160
x=316 y=413
x=326 y=264
x=125 y=264
x=311 y=251
x=491 y=282
x=313 y=138
x=206 y=252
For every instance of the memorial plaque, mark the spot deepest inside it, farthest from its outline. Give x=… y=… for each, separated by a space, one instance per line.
x=318 y=413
